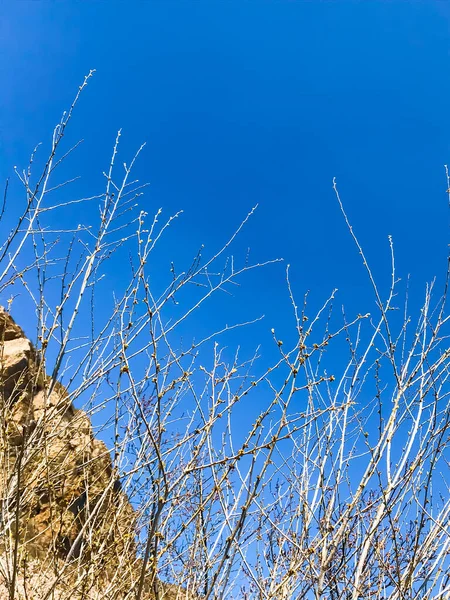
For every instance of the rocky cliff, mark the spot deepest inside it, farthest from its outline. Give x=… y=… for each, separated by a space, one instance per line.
x=66 y=526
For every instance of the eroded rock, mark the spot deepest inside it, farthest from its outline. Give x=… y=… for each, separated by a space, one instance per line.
x=66 y=527
x=59 y=496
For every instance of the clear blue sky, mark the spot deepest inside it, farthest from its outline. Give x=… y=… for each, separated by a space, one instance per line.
x=254 y=102
x=245 y=102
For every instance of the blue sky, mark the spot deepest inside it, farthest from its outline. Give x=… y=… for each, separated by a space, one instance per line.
x=246 y=102
x=253 y=102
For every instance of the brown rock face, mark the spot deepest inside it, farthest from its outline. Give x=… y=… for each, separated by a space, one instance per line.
x=67 y=530
x=61 y=502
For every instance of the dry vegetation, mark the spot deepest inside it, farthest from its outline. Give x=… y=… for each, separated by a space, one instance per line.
x=344 y=498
